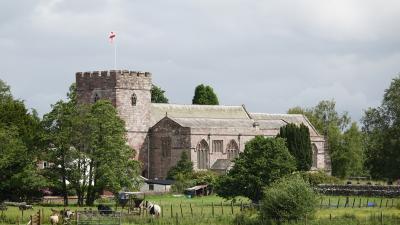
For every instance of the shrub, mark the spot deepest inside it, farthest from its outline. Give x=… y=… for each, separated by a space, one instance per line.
x=205 y=177
x=182 y=181
x=288 y=198
x=319 y=177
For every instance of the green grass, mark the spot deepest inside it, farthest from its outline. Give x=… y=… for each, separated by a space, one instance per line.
x=200 y=211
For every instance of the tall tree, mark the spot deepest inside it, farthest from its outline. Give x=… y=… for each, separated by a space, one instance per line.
x=88 y=147
x=382 y=128
x=299 y=144
x=204 y=95
x=19 y=148
x=263 y=161
x=158 y=95
x=333 y=125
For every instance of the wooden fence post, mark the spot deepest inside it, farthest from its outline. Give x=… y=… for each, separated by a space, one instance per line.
x=201 y=209
x=40 y=221
x=222 y=209
x=191 y=209
x=172 y=215
x=241 y=205
x=180 y=205
x=338 y=202
x=387 y=200
x=329 y=202
x=31 y=217
x=232 y=207
x=367 y=203
x=359 y=204
x=354 y=201
x=320 y=205
x=176 y=219
x=380 y=204
x=76 y=217
x=162 y=211
x=212 y=206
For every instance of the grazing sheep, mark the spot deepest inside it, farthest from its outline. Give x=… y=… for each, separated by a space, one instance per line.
x=55 y=217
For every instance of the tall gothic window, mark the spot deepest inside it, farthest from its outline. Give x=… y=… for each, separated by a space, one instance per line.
x=96 y=97
x=232 y=150
x=202 y=155
x=314 y=156
x=166 y=147
x=133 y=99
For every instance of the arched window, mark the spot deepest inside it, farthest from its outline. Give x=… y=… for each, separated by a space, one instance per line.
x=202 y=155
x=232 y=150
x=96 y=97
x=133 y=99
x=314 y=156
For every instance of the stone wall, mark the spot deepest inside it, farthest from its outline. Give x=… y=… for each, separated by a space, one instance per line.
x=179 y=136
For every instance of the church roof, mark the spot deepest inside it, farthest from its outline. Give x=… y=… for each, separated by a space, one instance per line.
x=287 y=118
x=212 y=123
x=160 y=110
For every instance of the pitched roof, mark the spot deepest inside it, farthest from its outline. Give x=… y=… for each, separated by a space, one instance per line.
x=160 y=110
x=287 y=118
x=221 y=164
x=212 y=123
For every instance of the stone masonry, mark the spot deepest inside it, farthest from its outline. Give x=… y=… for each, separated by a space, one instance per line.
x=159 y=133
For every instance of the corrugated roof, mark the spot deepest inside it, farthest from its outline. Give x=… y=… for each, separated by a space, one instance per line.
x=159 y=110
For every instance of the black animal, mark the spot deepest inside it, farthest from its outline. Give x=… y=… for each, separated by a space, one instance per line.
x=104 y=209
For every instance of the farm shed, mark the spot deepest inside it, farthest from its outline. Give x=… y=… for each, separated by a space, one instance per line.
x=199 y=190
x=151 y=185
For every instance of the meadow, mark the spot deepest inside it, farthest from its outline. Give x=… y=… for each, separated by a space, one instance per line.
x=215 y=210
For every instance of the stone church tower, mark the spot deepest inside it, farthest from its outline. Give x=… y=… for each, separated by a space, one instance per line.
x=129 y=92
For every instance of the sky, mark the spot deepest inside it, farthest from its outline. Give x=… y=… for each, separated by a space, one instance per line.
x=268 y=55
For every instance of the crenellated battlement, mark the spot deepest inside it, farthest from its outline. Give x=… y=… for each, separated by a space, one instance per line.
x=111 y=79
x=110 y=73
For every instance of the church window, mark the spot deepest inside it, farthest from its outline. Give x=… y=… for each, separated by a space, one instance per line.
x=315 y=156
x=96 y=97
x=232 y=150
x=133 y=99
x=217 y=145
x=202 y=155
x=166 y=147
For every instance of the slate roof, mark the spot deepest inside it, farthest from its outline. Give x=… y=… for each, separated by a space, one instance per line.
x=217 y=116
x=221 y=164
x=161 y=182
x=160 y=110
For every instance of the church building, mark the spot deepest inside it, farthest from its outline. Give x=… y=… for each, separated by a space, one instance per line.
x=212 y=135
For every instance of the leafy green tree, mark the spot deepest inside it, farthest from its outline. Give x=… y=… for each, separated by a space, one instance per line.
x=183 y=166
x=289 y=198
x=87 y=146
x=382 y=128
x=19 y=149
x=299 y=144
x=158 y=95
x=344 y=153
x=263 y=161
x=204 y=95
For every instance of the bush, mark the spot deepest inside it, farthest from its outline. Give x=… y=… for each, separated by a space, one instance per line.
x=182 y=181
x=319 y=177
x=289 y=198
x=205 y=177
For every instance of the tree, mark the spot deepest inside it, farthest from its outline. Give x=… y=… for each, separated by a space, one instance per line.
x=87 y=146
x=263 y=161
x=289 y=198
x=333 y=125
x=19 y=149
x=299 y=144
x=158 y=95
x=382 y=128
x=204 y=95
x=183 y=166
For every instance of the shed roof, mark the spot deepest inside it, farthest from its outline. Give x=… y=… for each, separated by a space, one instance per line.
x=160 y=110
x=161 y=182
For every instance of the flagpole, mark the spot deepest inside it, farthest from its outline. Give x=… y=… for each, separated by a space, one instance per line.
x=115 y=55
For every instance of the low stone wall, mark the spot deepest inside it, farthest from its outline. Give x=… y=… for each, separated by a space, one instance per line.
x=359 y=190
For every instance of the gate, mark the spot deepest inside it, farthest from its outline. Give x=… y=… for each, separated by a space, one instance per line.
x=97 y=218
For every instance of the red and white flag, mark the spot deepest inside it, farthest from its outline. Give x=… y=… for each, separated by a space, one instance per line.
x=111 y=36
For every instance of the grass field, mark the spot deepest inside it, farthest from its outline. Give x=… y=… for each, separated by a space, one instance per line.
x=215 y=210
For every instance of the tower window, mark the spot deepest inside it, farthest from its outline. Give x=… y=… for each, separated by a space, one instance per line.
x=96 y=97
x=133 y=99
